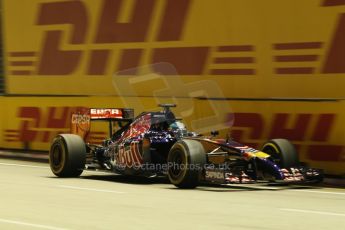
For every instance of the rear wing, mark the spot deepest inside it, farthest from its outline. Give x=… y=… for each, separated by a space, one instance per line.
x=111 y=114
x=81 y=122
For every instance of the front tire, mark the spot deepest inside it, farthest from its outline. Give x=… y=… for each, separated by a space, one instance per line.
x=282 y=152
x=67 y=155
x=186 y=161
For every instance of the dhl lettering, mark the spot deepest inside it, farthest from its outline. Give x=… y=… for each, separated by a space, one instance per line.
x=57 y=117
x=42 y=124
x=253 y=121
x=171 y=27
x=110 y=31
x=323 y=127
x=186 y=60
x=336 y=53
x=294 y=133
x=54 y=60
x=130 y=59
x=333 y=2
x=31 y=120
x=309 y=130
x=98 y=62
x=290 y=126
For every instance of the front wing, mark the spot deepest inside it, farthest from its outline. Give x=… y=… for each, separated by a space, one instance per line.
x=299 y=175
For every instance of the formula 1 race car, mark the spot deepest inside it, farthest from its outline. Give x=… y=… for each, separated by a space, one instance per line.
x=158 y=144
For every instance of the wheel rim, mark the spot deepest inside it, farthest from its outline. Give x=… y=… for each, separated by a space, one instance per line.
x=178 y=163
x=57 y=158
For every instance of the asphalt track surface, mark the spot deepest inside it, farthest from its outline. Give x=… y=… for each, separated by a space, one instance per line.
x=31 y=197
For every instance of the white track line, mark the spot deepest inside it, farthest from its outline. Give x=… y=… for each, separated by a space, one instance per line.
x=47 y=167
x=101 y=172
x=312 y=212
x=28 y=166
x=319 y=192
x=89 y=189
x=30 y=224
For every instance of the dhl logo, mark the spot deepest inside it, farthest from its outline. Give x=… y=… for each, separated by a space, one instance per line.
x=168 y=26
x=309 y=132
x=41 y=125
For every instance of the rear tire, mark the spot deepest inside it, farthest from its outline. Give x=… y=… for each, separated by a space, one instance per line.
x=282 y=152
x=186 y=161
x=67 y=155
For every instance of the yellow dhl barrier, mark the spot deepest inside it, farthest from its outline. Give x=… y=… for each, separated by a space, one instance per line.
x=250 y=48
x=316 y=128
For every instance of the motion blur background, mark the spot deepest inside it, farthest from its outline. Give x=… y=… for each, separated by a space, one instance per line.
x=260 y=69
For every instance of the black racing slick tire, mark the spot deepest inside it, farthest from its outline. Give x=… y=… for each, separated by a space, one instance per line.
x=282 y=152
x=186 y=160
x=67 y=155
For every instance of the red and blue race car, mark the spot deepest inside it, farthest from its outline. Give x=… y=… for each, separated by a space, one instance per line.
x=158 y=144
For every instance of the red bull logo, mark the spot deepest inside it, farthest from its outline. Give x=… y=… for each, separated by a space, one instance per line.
x=129 y=156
